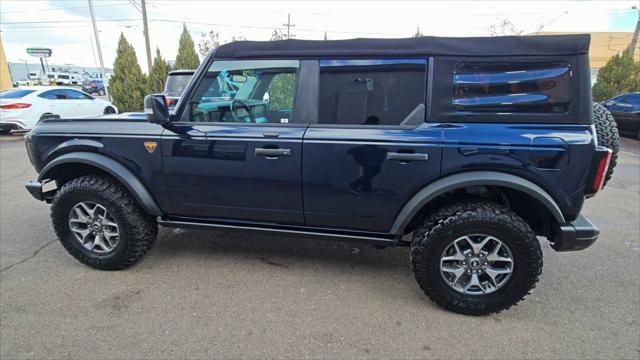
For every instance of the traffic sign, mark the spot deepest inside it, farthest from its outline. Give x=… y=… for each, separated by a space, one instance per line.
x=39 y=52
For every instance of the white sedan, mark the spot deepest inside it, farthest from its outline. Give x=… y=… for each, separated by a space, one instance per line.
x=22 y=108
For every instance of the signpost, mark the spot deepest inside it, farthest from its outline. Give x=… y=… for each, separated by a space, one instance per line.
x=40 y=53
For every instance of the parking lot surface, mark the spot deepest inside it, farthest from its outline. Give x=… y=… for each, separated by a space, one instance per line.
x=214 y=294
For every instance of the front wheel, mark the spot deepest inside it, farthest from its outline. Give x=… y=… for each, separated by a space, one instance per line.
x=109 y=110
x=476 y=258
x=100 y=224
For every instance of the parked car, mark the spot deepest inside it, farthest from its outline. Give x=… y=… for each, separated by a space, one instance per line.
x=177 y=81
x=625 y=109
x=95 y=86
x=466 y=150
x=22 y=108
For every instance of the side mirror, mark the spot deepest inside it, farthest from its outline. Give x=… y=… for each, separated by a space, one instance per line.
x=156 y=110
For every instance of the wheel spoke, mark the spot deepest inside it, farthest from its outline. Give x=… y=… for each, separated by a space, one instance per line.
x=477 y=247
x=82 y=232
x=82 y=218
x=456 y=271
x=99 y=241
x=475 y=281
x=494 y=256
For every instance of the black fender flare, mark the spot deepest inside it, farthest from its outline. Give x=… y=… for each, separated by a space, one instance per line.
x=473 y=178
x=115 y=169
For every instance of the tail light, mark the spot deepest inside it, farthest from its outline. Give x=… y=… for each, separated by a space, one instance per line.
x=15 y=106
x=599 y=169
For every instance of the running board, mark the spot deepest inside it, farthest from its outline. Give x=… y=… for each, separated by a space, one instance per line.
x=372 y=240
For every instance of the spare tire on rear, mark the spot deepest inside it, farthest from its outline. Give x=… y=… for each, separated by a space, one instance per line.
x=607 y=134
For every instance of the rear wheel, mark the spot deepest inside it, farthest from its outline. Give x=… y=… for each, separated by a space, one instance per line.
x=607 y=134
x=109 y=110
x=476 y=258
x=100 y=224
x=100 y=92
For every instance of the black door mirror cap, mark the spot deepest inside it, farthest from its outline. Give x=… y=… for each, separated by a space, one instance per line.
x=156 y=110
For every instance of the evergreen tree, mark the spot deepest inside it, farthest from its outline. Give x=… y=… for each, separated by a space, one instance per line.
x=277 y=34
x=187 y=57
x=621 y=74
x=127 y=85
x=157 y=75
x=418 y=32
x=326 y=37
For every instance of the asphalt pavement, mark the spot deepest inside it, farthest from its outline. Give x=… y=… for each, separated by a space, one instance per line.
x=204 y=294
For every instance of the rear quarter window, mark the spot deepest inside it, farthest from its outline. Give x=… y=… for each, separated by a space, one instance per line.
x=512 y=87
x=15 y=94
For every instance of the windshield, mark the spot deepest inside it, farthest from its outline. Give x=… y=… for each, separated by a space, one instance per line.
x=15 y=94
x=177 y=83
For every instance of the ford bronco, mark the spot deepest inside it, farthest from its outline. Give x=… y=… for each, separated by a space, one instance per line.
x=469 y=151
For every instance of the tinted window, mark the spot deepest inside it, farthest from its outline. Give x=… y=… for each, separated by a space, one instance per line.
x=177 y=83
x=372 y=92
x=512 y=87
x=260 y=91
x=633 y=99
x=54 y=95
x=15 y=94
x=63 y=76
x=76 y=95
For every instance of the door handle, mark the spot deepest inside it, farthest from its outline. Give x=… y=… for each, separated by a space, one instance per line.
x=272 y=153
x=407 y=156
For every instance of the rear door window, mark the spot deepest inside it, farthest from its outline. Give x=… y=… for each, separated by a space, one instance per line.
x=372 y=92
x=54 y=95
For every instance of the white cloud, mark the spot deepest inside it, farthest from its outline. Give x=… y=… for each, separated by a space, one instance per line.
x=256 y=20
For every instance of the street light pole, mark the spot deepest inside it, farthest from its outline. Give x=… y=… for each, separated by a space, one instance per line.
x=95 y=31
x=634 y=41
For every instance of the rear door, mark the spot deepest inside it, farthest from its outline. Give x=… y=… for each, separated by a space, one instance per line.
x=371 y=149
x=57 y=102
x=236 y=153
x=83 y=104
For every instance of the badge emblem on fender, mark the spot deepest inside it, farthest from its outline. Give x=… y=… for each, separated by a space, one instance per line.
x=150 y=146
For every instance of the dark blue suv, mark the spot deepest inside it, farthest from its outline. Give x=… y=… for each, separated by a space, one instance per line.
x=463 y=149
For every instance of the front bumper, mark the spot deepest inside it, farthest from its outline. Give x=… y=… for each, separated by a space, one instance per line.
x=35 y=189
x=576 y=235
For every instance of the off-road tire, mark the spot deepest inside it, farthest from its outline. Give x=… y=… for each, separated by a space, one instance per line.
x=607 y=134
x=450 y=222
x=138 y=230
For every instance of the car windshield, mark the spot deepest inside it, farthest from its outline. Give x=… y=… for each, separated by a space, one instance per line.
x=15 y=94
x=177 y=83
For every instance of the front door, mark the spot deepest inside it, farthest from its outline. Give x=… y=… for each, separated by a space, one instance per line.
x=236 y=152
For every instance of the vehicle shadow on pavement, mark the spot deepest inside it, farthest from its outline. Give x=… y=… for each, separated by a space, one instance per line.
x=277 y=251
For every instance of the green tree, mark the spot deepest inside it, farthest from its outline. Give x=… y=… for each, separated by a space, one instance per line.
x=619 y=75
x=127 y=85
x=277 y=34
x=208 y=42
x=418 y=32
x=157 y=75
x=187 y=57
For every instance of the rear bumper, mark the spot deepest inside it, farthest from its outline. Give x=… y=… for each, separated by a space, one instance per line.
x=576 y=235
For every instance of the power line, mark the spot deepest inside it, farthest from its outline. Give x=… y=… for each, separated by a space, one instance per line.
x=56 y=9
x=289 y=25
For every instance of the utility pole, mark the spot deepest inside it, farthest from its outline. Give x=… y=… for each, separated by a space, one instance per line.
x=146 y=33
x=95 y=31
x=289 y=25
x=634 y=41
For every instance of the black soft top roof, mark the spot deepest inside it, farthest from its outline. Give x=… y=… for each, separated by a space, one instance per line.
x=427 y=45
